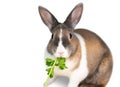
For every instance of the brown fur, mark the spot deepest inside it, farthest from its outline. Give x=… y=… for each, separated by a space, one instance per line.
x=99 y=59
x=76 y=57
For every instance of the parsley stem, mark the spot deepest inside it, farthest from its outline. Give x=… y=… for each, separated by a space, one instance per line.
x=46 y=82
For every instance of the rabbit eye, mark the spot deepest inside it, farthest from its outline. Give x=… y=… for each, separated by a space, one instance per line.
x=70 y=36
x=52 y=36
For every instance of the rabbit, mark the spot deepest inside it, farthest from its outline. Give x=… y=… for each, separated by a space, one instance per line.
x=88 y=59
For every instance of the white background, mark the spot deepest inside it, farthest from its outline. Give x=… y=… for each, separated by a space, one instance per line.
x=23 y=37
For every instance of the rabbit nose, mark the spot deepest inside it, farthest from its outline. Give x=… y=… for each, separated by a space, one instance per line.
x=60 y=53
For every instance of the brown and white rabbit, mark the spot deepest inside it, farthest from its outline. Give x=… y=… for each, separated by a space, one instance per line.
x=89 y=60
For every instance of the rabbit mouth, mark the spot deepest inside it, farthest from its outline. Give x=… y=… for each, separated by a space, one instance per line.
x=64 y=53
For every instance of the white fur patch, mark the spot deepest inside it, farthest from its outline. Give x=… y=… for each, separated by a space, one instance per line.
x=82 y=71
x=83 y=62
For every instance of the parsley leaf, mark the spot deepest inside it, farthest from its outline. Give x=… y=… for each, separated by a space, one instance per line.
x=49 y=62
x=59 y=61
x=51 y=73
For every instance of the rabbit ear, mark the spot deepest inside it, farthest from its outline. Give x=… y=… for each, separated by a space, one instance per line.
x=48 y=19
x=75 y=15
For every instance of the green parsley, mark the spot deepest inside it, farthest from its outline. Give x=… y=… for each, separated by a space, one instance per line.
x=59 y=62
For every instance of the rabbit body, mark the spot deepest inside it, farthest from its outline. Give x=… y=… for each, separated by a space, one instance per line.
x=88 y=58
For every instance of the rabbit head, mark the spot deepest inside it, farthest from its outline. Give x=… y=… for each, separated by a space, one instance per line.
x=63 y=42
